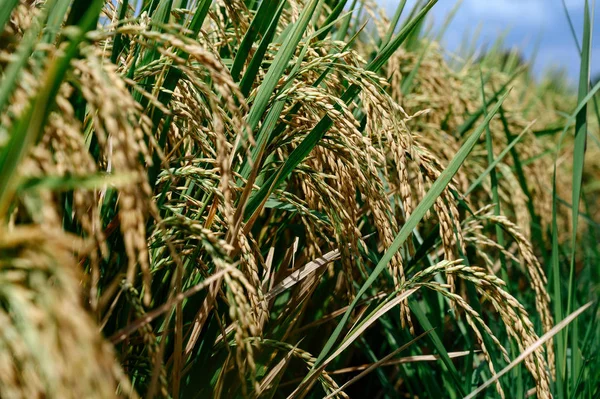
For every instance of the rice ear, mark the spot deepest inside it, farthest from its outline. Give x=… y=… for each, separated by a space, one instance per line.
x=51 y=346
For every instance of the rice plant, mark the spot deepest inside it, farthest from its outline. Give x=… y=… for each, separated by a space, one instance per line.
x=301 y=198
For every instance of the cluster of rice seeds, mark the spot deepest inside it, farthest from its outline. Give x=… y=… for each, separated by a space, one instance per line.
x=513 y=314
x=445 y=207
x=29 y=81
x=474 y=320
x=519 y=326
x=291 y=14
x=237 y=14
x=245 y=322
x=178 y=203
x=50 y=345
x=250 y=260
x=120 y=128
x=190 y=238
x=223 y=94
x=226 y=24
x=354 y=153
x=335 y=171
x=21 y=19
x=329 y=201
x=40 y=206
x=409 y=150
x=366 y=155
x=72 y=157
x=376 y=13
x=383 y=123
x=536 y=275
x=345 y=210
x=188 y=132
x=220 y=103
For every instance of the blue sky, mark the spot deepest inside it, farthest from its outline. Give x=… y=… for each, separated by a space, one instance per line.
x=527 y=22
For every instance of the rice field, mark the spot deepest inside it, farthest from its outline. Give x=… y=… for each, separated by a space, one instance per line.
x=290 y=199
